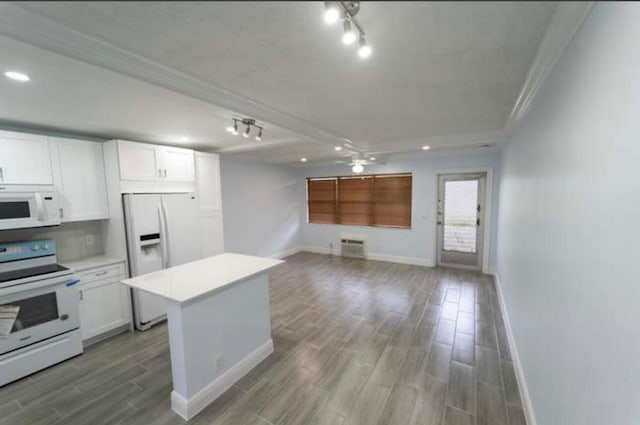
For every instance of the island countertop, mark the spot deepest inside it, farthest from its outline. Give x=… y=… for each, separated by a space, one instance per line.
x=193 y=280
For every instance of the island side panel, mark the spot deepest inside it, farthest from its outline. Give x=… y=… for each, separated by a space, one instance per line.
x=235 y=323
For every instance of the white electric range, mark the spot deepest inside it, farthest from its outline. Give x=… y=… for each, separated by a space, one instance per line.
x=47 y=329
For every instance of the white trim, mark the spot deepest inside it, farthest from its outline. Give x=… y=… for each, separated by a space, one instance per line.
x=425 y=262
x=565 y=23
x=29 y=27
x=188 y=408
x=522 y=383
x=400 y=260
x=488 y=207
x=286 y=253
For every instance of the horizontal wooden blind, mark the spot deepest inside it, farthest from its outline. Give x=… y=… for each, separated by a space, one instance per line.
x=382 y=200
x=392 y=196
x=355 y=200
x=322 y=200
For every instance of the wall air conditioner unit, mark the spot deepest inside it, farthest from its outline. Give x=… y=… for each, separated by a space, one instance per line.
x=353 y=246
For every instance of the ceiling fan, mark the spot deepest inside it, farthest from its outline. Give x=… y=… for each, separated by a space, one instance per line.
x=358 y=162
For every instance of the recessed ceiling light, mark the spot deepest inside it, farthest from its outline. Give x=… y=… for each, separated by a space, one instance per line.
x=17 y=76
x=426 y=148
x=373 y=158
x=337 y=148
x=303 y=159
x=184 y=139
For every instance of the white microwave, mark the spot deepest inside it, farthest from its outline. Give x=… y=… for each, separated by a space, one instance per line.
x=29 y=209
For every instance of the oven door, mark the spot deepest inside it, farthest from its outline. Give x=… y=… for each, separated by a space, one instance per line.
x=48 y=307
x=28 y=209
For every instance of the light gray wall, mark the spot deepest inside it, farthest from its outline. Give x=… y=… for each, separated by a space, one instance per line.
x=418 y=242
x=260 y=206
x=69 y=237
x=568 y=236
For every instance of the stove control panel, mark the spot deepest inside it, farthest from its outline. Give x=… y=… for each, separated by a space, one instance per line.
x=24 y=250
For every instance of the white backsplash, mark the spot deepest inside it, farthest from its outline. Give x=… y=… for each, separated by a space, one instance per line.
x=71 y=241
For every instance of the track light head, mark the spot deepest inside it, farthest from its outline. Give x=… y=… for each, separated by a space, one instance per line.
x=331 y=12
x=246 y=132
x=365 y=50
x=259 y=136
x=349 y=35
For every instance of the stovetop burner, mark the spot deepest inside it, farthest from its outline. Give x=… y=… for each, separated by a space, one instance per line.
x=31 y=272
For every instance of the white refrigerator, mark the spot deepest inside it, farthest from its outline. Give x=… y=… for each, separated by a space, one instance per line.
x=163 y=230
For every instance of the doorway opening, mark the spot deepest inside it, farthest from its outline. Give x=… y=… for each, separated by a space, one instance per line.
x=460 y=219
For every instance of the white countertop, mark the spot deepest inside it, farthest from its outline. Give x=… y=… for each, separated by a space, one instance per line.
x=91 y=262
x=192 y=280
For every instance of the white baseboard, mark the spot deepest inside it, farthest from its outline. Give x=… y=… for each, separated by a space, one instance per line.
x=374 y=256
x=286 y=253
x=401 y=260
x=522 y=383
x=188 y=408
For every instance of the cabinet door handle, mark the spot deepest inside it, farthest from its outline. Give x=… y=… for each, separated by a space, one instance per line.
x=102 y=273
x=160 y=172
x=1 y=174
x=61 y=213
x=81 y=294
x=165 y=172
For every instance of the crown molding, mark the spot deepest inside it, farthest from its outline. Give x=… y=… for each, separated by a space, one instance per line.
x=565 y=23
x=29 y=27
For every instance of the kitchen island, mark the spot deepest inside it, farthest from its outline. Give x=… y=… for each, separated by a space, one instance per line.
x=219 y=323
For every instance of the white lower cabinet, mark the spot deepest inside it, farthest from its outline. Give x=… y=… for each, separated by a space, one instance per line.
x=104 y=301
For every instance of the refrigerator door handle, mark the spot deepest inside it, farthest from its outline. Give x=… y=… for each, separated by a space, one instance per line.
x=163 y=237
x=167 y=235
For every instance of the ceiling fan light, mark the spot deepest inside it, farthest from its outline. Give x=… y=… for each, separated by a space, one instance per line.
x=357 y=168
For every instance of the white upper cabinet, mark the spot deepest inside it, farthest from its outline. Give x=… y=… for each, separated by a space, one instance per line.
x=138 y=161
x=146 y=162
x=80 y=178
x=176 y=163
x=24 y=159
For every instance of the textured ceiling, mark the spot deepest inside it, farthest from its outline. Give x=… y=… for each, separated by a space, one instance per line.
x=439 y=68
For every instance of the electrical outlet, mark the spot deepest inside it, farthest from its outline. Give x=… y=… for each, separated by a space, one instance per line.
x=218 y=362
x=88 y=239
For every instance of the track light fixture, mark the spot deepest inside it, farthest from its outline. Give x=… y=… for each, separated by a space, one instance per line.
x=347 y=10
x=349 y=35
x=331 y=12
x=249 y=123
x=364 y=51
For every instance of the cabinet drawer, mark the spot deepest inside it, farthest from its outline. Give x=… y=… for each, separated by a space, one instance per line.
x=102 y=273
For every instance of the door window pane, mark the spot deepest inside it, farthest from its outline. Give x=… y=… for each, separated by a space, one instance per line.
x=460 y=214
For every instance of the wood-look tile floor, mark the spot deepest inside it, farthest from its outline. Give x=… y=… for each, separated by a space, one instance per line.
x=356 y=342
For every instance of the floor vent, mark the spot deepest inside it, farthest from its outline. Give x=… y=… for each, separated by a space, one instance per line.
x=353 y=247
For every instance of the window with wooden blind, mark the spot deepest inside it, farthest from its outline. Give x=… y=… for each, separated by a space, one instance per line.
x=382 y=200
x=321 y=198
